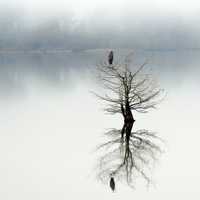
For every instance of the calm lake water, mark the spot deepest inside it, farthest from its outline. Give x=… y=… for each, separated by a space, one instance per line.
x=51 y=124
x=20 y=69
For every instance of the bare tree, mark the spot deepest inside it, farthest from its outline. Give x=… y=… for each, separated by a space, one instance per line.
x=128 y=153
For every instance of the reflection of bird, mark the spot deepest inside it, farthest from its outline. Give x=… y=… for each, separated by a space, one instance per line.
x=110 y=58
x=112 y=183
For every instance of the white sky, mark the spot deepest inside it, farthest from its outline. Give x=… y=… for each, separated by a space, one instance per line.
x=83 y=8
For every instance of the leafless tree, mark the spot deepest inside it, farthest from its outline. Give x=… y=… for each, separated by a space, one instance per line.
x=128 y=153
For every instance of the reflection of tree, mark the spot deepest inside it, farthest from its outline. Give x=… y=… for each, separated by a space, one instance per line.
x=128 y=153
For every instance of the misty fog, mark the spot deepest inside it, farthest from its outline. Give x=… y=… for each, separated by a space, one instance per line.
x=51 y=123
x=77 y=25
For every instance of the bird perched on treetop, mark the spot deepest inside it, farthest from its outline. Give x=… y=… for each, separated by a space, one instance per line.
x=112 y=183
x=110 y=58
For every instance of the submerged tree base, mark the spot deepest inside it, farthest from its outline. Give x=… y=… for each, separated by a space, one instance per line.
x=126 y=162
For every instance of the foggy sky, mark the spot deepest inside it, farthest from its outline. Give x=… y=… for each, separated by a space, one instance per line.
x=155 y=25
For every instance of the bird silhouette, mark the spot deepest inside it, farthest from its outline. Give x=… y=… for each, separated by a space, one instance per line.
x=112 y=184
x=110 y=58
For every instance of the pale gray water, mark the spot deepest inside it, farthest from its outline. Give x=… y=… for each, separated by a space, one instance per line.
x=50 y=125
x=17 y=70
